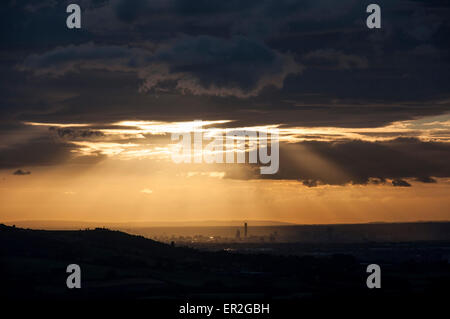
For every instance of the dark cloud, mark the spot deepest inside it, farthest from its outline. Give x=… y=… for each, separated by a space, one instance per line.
x=37 y=151
x=205 y=65
x=310 y=183
x=201 y=65
x=72 y=134
x=63 y=60
x=33 y=24
x=426 y=179
x=359 y=162
x=333 y=59
x=102 y=97
x=34 y=6
x=174 y=49
x=42 y=151
x=21 y=172
x=306 y=63
x=377 y=181
x=400 y=183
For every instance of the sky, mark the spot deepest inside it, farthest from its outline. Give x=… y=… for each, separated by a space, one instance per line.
x=87 y=115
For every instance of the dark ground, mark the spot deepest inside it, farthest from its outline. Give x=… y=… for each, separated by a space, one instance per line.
x=126 y=268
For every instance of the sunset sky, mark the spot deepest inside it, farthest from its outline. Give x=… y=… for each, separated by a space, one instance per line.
x=363 y=115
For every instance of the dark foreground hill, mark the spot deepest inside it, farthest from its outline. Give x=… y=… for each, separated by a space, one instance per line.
x=122 y=266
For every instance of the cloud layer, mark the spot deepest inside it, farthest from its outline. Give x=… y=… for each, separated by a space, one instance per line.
x=310 y=64
x=21 y=172
x=202 y=65
x=359 y=162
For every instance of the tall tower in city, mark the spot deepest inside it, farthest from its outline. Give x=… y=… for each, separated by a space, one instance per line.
x=245 y=230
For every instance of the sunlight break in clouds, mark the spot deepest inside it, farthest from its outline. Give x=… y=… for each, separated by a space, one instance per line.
x=113 y=142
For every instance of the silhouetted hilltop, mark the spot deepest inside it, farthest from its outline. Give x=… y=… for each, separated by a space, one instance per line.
x=118 y=265
x=88 y=244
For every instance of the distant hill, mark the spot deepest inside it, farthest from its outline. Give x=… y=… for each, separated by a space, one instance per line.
x=76 y=225
x=61 y=224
